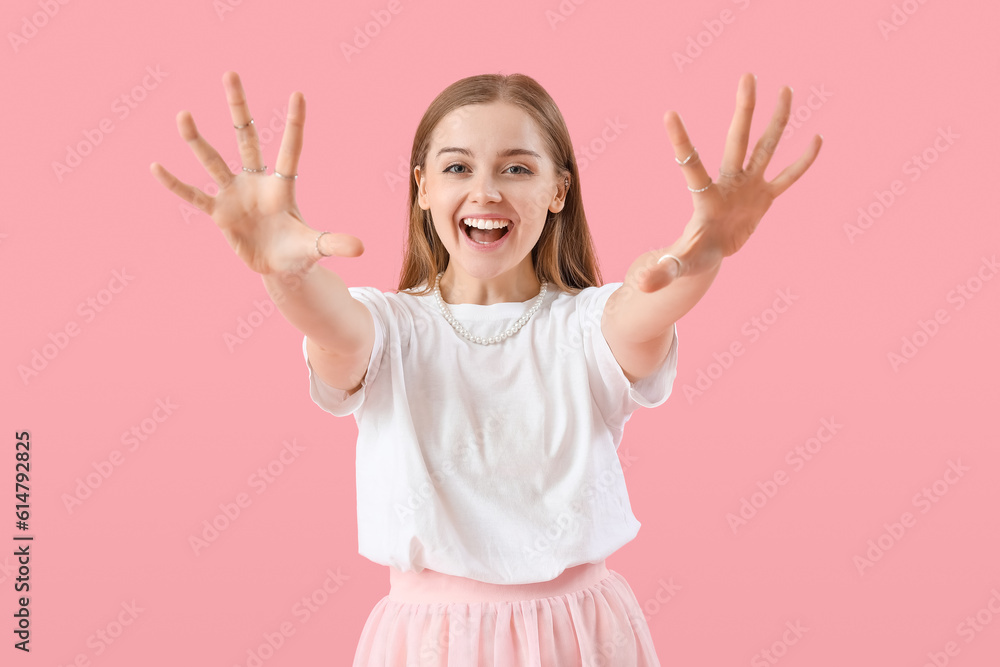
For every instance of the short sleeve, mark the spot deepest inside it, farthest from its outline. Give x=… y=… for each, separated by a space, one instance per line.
x=615 y=395
x=337 y=401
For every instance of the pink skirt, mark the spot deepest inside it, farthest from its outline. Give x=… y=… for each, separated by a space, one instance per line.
x=587 y=616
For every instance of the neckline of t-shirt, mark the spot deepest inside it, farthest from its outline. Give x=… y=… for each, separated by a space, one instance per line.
x=493 y=311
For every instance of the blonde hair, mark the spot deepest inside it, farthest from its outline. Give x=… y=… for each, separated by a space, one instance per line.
x=564 y=254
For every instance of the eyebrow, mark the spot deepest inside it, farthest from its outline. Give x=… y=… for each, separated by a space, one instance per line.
x=507 y=153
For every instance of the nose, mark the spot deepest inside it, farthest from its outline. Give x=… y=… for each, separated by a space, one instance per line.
x=484 y=188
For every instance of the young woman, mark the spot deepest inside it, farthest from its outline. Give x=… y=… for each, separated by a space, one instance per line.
x=491 y=389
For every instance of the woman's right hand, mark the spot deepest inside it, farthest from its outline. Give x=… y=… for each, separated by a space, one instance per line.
x=257 y=213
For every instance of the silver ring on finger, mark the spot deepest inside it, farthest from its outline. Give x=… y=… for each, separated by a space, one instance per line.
x=318 y=251
x=694 y=151
x=290 y=178
x=680 y=266
x=701 y=189
x=254 y=171
x=727 y=174
x=240 y=127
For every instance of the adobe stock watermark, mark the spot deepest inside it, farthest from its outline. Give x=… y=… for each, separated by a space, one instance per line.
x=572 y=343
x=593 y=149
x=970 y=627
x=435 y=646
x=614 y=650
x=779 y=648
x=259 y=481
x=798 y=116
x=30 y=25
x=246 y=326
x=279 y=287
x=302 y=610
x=104 y=637
x=122 y=107
x=417 y=498
x=926 y=330
x=59 y=340
x=591 y=321
x=767 y=146
x=223 y=7
x=403 y=173
x=381 y=18
x=898 y=17
x=924 y=500
x=703 y=39
x=467 y=453
x=401 y=176
x=563 y=11
x=797 y=457
x=211 y=188
x=914 y=167
x=134 y=438
x=585 y=154
x=572 y=518
x=665 y=592
x=7 y=569
x=265 y=135
x=752 y=329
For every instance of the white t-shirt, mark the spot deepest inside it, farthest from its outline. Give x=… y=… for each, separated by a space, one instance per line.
x=493 y=462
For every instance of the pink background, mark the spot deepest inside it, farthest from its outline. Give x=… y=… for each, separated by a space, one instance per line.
x=878 y=99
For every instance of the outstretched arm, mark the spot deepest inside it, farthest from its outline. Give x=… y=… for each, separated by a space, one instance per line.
x=658 y=290
x=259 y=217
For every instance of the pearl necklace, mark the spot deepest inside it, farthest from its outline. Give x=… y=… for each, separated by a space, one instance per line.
x=500 y=337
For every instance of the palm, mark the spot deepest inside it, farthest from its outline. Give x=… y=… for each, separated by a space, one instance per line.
x=727 y=212
x=257 y=213
x=260 y=219
x=730 y=210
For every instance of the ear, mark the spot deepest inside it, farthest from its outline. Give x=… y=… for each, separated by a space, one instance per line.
x=562 y=191
x=421 y=189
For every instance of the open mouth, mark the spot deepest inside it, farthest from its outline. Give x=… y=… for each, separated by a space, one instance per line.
x=484 y=231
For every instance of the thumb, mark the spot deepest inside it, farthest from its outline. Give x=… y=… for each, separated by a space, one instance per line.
x=330 y=244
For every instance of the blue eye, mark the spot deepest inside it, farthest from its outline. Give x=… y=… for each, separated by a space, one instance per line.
x=448 y=169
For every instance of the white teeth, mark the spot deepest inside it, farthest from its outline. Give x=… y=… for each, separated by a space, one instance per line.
x=485 y=224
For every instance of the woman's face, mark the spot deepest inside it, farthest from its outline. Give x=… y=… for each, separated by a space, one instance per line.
x=489 y=160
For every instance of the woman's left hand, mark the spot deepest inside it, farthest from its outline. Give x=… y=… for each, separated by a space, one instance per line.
x=727 y=211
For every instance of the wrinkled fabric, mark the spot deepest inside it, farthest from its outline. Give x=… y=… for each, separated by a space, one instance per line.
x=499 y=462
x=588 y=616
